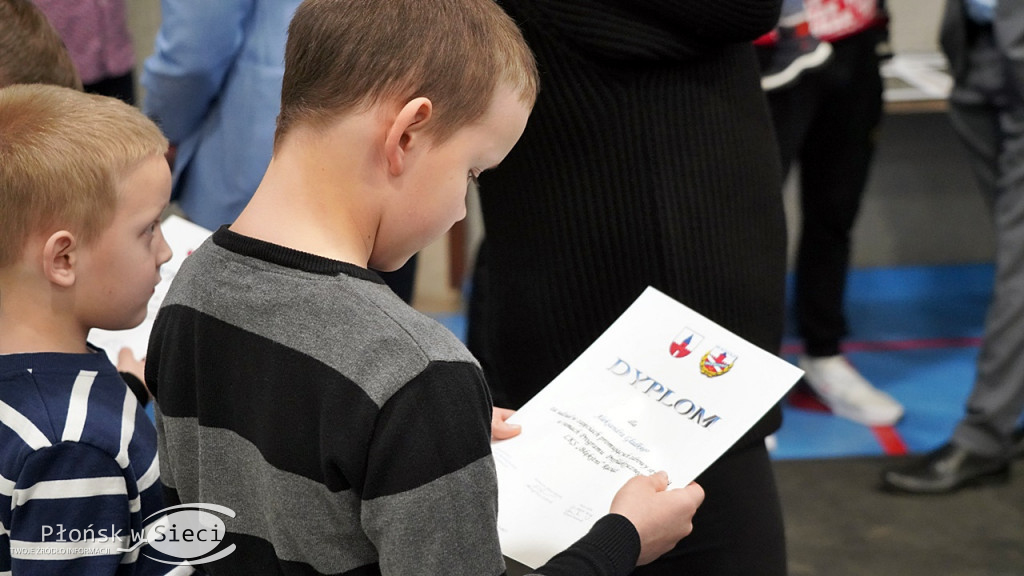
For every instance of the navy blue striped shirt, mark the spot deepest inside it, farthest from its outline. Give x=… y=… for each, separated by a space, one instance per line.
x=78 y=468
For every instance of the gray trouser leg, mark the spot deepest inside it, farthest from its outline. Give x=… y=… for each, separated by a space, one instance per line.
x=992 y=127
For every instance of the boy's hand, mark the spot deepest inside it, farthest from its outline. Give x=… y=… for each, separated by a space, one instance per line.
x=501 y=430
x=661 y=517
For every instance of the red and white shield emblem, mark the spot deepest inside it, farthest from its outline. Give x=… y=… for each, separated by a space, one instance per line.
x=684 y=343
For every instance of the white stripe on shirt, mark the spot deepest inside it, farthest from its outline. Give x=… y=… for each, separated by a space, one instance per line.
x=78 y=407
x=23 y=427
x=128 y=410
x=64 y=489
x=151 y=475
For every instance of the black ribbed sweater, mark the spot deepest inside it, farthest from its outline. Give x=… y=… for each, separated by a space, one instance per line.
x=649 y=159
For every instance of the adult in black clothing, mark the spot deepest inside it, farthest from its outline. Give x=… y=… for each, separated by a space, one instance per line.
x=649 y=160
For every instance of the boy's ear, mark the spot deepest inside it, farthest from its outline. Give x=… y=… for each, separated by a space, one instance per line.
x=404 y=132
x=60 y=255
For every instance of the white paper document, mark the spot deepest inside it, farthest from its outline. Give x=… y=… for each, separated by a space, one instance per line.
x=664 y=388
x=183 y=237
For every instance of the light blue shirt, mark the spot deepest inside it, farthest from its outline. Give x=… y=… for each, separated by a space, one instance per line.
x=981 y=11
x=213 y=84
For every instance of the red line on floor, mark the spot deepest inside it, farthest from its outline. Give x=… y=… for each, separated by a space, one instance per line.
x=803 y=398
x=891 y=441
x=888 y=437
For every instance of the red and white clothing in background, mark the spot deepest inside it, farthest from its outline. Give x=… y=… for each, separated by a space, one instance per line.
x=831 y=20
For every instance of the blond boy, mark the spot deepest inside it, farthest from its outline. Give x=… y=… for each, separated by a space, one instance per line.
x=82 y=185
x=349 y=433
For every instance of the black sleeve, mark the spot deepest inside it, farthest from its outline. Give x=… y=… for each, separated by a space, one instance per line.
x=611 y=548
x=137 y=387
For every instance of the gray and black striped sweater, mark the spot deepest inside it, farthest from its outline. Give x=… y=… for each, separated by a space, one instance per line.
x=348 y=432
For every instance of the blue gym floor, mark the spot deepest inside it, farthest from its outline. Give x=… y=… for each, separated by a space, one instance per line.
x=914 y=332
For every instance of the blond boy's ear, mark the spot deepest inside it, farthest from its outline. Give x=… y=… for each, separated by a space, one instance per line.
x=405 y=132
x=60 y=255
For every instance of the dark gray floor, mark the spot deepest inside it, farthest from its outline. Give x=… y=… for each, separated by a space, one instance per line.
x=839 y=524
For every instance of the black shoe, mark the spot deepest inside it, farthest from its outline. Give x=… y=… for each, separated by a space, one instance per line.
x=1018 y=443
x=945 y=470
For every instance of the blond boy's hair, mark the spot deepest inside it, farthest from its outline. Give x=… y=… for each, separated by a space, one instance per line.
x=347 y=55
x=31 y=51
x=61 y=153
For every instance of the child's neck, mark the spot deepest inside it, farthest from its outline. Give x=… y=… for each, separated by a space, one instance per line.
x=309 y=200
x=21 y=335
x=31 y=319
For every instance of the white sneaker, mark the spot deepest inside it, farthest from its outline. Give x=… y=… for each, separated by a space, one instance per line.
x=847 y=393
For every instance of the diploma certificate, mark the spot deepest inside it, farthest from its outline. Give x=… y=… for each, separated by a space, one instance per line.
x=664 y=388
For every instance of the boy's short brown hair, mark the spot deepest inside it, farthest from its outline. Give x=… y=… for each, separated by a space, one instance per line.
x=31 y=51
x=61 y=154
x=346 y=55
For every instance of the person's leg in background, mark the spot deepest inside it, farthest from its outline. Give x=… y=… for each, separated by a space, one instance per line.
x=997 y=398
x=835 y=161
x=989 y=119
x=793 y=107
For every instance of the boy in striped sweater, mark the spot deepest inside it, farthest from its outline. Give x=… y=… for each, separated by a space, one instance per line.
x=83 y=183
x=348 y=432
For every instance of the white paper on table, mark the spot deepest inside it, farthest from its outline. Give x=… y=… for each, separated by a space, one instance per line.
x=183 y=237
x=638 y=400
